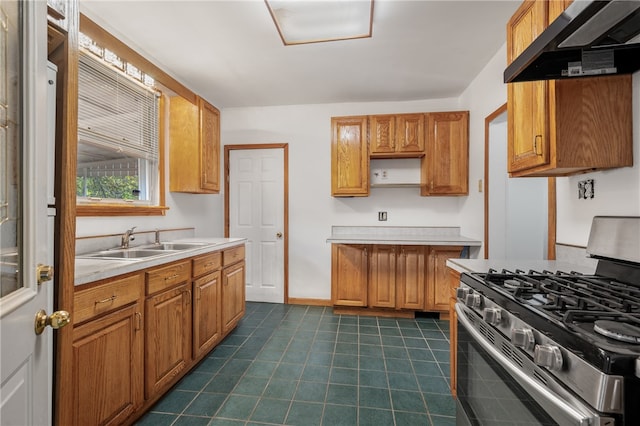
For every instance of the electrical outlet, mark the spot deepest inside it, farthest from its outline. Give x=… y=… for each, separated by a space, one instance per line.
x=384 y=175
x=382 y=216
x=586 y=189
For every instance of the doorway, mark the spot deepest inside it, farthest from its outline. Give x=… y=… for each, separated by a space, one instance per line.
x=517 y=210
x=256 y=208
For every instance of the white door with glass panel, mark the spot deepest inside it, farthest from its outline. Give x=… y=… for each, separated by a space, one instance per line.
x=25 y=220
x=256 y=212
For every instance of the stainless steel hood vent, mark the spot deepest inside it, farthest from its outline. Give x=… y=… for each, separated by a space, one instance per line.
x=589 y=38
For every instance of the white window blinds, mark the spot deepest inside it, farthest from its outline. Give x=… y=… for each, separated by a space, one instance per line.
x=117 y=119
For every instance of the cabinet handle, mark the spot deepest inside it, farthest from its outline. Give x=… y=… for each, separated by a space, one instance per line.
x=188 y=292
x=536 y=145
x=172 y=277
x=199 y=295
x=138 y=321
x=107 y=300
x=365 y=252
x=206 y=265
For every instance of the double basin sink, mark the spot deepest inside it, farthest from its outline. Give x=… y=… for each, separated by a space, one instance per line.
x=142 y=252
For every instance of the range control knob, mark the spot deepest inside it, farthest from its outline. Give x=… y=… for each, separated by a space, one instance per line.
x=548 y=356
x=492 y=316
x=523 y=338
x=473 y=300
x=462 y=292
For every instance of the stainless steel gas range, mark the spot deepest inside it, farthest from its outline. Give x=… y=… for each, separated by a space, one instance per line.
x=554 y=347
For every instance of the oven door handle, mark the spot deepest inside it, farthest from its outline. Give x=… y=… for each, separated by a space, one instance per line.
x=562 y=406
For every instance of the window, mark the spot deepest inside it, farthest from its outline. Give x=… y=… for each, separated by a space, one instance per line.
x=119 y=140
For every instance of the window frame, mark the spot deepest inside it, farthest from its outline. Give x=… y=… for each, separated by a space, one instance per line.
x=105 y=39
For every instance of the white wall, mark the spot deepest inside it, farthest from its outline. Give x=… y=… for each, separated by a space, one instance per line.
x=312 y=210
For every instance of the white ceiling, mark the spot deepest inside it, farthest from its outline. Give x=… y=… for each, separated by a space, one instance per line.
x=230 y=53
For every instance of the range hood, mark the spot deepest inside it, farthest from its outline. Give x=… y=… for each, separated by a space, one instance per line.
x=589 y=38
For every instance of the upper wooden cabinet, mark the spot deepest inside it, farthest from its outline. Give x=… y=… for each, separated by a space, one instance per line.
x=349 y=157
x=563 y=127
x=445 y=169
x=194 y=146
x=442 y=136
x=396 y=135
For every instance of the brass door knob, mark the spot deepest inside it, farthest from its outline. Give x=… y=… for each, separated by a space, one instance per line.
x=44 y=273
x=279 y=235
x=55 y=320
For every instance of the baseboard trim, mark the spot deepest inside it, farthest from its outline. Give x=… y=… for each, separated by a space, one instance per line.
x=310 y=302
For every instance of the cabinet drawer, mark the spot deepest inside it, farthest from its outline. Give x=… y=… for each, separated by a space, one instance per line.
x=106 y=297
x=168 y=276
x=233 y=255
x=207 y=263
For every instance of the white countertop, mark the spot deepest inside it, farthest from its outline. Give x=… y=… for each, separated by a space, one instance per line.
x=89 y=270
x=483 y=265
x=408 y=235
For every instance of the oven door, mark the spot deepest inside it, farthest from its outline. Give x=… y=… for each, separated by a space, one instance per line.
x=493 y=390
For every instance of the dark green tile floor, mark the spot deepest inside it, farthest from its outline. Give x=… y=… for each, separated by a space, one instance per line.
x=303 y=365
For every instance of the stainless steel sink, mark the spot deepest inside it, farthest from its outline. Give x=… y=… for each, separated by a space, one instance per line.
x=122 y=254
x=175 y=246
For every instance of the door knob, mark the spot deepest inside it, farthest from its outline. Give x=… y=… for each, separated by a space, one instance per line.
x=55 y=320
x=279 y=235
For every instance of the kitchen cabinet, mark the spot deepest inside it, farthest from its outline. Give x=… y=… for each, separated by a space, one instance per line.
x=168 y=320
x=135 y=335
x=207 y=330
x=194 y=146
x=349 y=157
x=445 y=166
x=563 y=127
x=397 y=277
x=382 y=276
x=411 y=277
x=108 y=359
x=454 y=282
x=393 y=136
x=438 y=288
x=349 y=274
x=233 y=288
x=440 y=139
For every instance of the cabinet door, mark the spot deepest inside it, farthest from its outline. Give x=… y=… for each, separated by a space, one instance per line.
x=454 y=282
x=168 y=337
x=349 y=270
x=107 y=368
x=209 y=147
x=528 y=133
x=233 y=303
x=382 y=133
x=445 y=166
x=206 y=314
x=382 y=276
x=349 y=157
x=410 y=267
x=410 y=133
x=438 y=290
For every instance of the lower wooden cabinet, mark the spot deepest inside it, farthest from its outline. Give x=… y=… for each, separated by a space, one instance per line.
x=349 y=274
x=233 y=295
x=386 y=276
x=411 y=277
x=438 y=293
x=454 y=282
x=108 y=368
x=206 y=314
x=135 y=335
x=168 y=337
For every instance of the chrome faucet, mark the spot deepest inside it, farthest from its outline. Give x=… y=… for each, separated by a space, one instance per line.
x=127 y=237
x=157 y=242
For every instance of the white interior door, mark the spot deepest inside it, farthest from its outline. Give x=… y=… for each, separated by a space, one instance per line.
x=256 y=212
x=26 y=367
x=517 y=206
